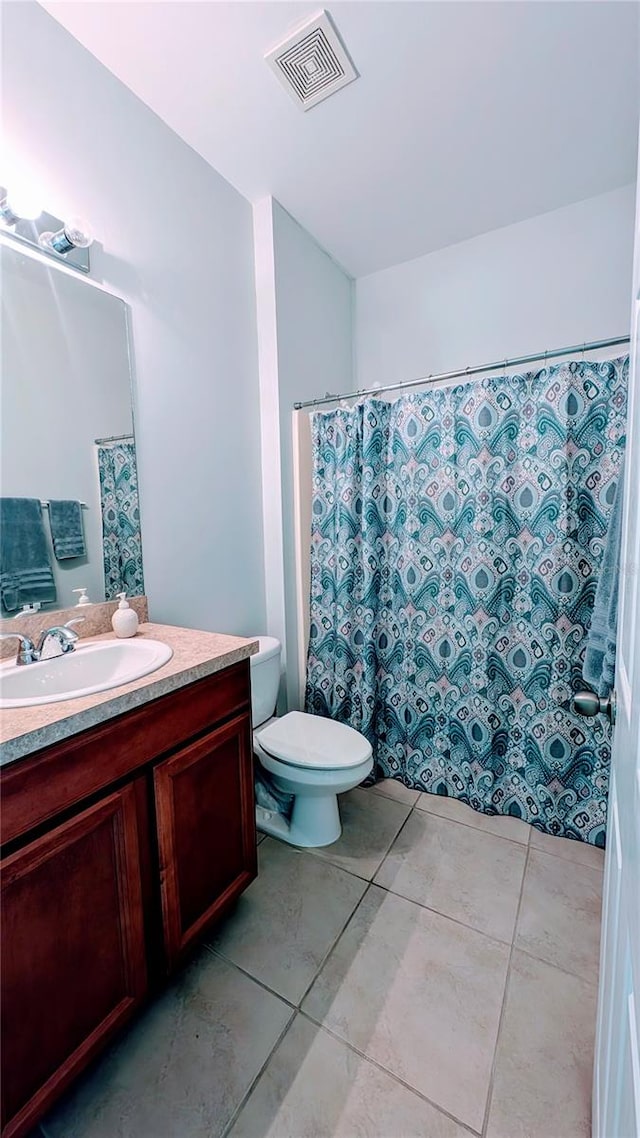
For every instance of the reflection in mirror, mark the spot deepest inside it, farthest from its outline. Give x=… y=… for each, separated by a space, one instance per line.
x=69 y=512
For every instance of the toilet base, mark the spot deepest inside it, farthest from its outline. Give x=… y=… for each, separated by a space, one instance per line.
x=315 y=817
x=315 y=821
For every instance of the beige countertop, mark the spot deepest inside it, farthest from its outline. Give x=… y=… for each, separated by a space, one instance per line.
x=195 y=655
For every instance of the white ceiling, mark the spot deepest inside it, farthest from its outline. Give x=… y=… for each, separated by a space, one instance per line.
x=467 y=115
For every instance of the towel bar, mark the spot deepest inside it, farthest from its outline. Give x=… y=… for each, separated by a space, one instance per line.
x=45 y=505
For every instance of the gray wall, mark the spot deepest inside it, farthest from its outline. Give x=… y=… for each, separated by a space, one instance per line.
x=315 y=355
x=305 y=309
x=175 y=241
x=560 y=278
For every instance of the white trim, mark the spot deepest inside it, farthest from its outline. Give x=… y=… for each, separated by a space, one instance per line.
x=623 y=692
x=272 y=516
x=635 y=1057
x=302 y=537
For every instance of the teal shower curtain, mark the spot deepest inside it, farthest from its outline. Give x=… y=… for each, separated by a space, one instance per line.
x=121 y=536
x=456 y=540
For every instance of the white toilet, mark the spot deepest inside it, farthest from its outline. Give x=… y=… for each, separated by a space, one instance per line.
x=313 y=758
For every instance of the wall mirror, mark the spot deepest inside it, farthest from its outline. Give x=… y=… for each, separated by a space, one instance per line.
x=69 y=511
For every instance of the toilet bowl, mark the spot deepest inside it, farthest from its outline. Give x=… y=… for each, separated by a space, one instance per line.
x=308 y=756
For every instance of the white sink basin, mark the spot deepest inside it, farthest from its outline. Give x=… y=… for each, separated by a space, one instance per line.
x=93 y=666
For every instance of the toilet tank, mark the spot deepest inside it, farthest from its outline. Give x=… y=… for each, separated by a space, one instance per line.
x=265 y=679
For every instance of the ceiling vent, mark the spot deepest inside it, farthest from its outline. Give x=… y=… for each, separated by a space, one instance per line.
x=312 y=63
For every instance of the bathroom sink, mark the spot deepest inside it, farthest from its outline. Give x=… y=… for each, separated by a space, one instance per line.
x=93 y=666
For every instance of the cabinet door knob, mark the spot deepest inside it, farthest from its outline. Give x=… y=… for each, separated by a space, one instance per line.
x=589 y=704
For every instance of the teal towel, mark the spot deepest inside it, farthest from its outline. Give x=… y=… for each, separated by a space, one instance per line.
x=67 y=530
x=25 y=569
x=600 y=657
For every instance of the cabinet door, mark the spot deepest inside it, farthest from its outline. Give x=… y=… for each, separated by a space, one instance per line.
x=206 y=830
x=73 y=965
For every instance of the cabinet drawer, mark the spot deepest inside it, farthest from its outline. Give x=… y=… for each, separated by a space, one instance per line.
x=37 y=788
x=206 y=831
x=73 y=959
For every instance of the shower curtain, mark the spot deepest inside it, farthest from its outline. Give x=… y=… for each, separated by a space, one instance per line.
x=121 y=536
x=456 y=540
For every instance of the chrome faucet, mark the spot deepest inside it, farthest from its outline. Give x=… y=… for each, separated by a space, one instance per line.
x=59 y=640
x=55 y=641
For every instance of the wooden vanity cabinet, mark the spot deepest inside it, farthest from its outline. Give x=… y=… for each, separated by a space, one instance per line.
x=112 y=872
x=206 y=831
x=73 y=955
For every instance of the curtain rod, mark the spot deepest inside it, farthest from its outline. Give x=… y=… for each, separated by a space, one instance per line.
x=113 y=438
x=514 y=362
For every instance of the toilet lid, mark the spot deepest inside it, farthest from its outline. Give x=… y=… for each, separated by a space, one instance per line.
x=311 y=741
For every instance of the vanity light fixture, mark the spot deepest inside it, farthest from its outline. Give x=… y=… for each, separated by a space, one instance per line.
x=19 y=205
x=22 y=219
x=74 y=234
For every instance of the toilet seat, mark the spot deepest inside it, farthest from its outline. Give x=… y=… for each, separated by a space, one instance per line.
x=313 y=742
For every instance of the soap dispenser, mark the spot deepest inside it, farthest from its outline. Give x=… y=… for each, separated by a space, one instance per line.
x=83 y=599
x=125 y=619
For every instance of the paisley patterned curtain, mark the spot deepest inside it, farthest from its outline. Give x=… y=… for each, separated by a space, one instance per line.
x=457 y=536
x=121 y=536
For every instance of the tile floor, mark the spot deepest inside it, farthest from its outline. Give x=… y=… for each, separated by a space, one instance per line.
x=431 y=975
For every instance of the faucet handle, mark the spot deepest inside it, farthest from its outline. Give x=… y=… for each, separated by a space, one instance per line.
x=26 y=652
x=76 y=620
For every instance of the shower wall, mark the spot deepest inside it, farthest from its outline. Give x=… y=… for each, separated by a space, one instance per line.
x=560 y=278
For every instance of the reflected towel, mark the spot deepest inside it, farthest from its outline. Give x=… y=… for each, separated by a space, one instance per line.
x=67 y=530
x=600 y=656
x=26 y=575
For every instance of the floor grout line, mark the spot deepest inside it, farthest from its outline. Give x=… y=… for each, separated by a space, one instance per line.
x=458 y=821
x=309 y=851
x=385 y=854
x=570 y=861
x=330 y=950
x=447 y=916
x=219 y=953
x=387 y=1071
x=487 y=1109
x=261 y=984
x=334 y=945
x=245 y=1098
x=438 y=912
x=476 y=829
x=391 y=797
x=410 y=900
x=550 y=964
x=461 y=822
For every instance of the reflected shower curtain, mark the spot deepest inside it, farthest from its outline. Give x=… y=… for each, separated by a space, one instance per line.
x=121 y=536
x=457 y=536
